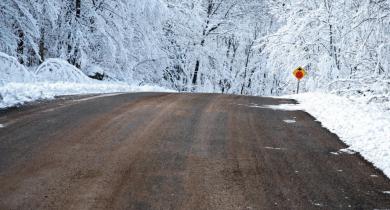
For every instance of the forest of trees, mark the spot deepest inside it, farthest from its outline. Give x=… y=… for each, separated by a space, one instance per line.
x=226 y=46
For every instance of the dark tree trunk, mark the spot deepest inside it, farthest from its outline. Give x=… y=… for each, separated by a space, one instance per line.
x=245 y=73
x=42 y=46
x=20 y=48
x=74 y=51
x=195 y=77
x=250 y=78
x=78 y=8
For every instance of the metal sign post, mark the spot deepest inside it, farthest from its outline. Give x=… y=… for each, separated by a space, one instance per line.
x=299 y=73
x=298 y=86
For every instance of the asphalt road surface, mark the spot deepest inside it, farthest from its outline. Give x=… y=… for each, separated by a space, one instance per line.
x=178 y=151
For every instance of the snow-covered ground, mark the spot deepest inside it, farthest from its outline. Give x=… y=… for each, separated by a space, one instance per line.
x=359 y=122
x=55 y=77
x=19 y=93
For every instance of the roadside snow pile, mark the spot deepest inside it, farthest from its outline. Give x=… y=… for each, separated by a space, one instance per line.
x=149 y=88
x=57 y=70
x=55 y=77
x=363 y=125
x=19 y=93
x=12 y=71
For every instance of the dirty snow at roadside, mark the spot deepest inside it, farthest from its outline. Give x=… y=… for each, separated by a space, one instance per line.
x=364 y=126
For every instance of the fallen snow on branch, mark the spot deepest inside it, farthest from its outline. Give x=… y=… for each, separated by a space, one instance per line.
x=12 y=71
x=58 y=70
x=364 y=126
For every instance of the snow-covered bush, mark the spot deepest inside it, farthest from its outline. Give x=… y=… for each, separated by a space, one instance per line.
x=58 y=70
x=12 y=71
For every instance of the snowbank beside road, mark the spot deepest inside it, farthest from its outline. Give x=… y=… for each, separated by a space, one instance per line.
x=364 y=126
x=18 y=93
x=54 y=77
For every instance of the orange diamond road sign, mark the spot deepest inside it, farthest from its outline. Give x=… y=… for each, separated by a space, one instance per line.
x=299 y=73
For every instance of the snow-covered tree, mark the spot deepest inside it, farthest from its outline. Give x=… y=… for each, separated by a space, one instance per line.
x=229 y=46
x=208 y=39
x=19 y=31
x=334 y=40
